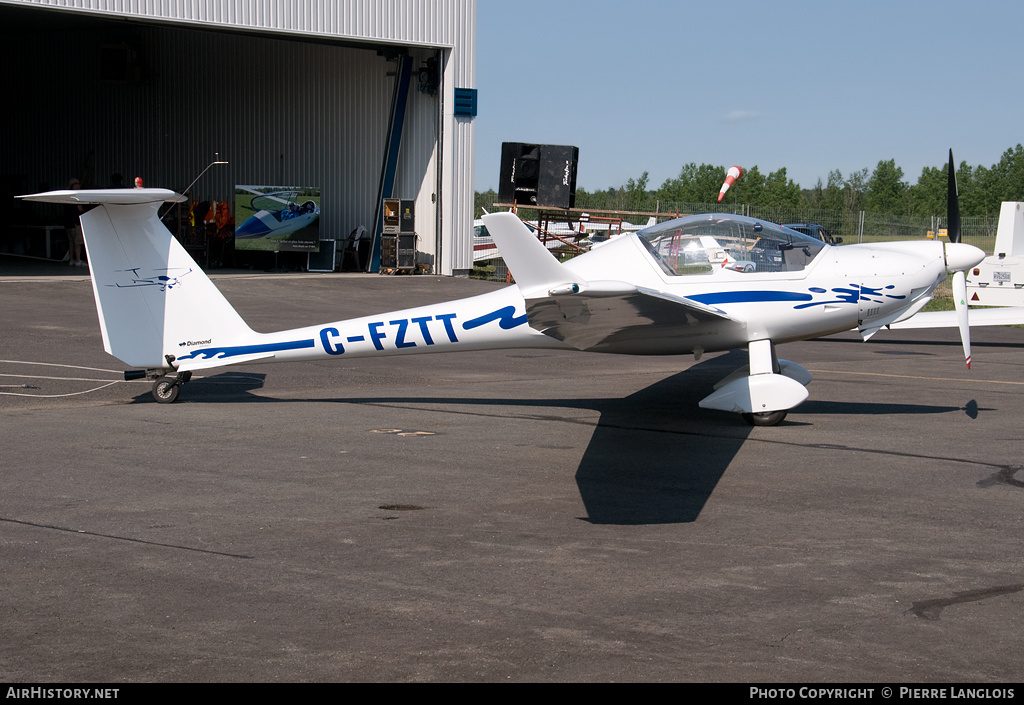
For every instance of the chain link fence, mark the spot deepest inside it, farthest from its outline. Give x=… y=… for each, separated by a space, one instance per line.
x=851 y=226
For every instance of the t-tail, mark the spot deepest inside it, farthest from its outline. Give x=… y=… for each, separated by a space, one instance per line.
x=139 y=271
x=161 y=314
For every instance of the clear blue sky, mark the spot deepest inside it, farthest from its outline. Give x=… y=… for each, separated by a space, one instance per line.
x=650 y=85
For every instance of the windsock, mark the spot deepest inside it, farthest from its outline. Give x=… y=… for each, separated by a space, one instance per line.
x=734 y=173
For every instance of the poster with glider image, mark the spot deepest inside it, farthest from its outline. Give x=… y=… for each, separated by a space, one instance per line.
x=277 y=218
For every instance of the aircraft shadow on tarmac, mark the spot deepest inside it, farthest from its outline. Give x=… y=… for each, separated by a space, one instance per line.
x=655 y=457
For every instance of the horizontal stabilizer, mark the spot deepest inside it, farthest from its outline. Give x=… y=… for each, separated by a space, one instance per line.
x=109 y=196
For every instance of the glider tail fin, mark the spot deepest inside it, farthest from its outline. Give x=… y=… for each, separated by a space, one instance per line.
x=153 y=300
x=535 y=269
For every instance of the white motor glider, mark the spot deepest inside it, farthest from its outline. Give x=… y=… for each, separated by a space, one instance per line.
x=673 y=288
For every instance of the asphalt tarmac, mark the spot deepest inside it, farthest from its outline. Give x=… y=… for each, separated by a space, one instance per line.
x=501 y=516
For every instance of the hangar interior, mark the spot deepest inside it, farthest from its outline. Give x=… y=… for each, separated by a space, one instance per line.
x=93 y=95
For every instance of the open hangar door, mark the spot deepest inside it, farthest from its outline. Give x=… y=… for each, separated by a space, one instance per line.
x=95 y=96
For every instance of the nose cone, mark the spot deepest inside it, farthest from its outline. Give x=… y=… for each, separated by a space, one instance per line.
x=960 y=257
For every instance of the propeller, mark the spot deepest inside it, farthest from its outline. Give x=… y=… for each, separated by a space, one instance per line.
x=955 y=257
x=960 y=301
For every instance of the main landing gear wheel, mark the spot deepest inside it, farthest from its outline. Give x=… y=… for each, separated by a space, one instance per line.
x=765 y=418
x=165 y=391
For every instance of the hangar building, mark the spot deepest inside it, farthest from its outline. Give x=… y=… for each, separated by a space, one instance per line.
x=364 y=99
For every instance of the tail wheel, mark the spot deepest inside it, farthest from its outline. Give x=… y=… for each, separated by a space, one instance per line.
x=165 y=391
x=765 y=418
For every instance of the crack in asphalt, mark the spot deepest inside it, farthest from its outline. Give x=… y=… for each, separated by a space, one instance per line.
x=82 y=532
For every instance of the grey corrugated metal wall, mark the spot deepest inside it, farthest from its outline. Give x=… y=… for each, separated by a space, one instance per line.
x=459 y=139
x=407 y=22
x=280 y=108
x=282 y=112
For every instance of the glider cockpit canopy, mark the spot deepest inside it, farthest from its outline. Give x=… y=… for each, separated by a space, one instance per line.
x=703 y=244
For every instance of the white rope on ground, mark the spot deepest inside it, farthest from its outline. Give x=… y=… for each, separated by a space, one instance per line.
x=224 y=379
x=56 y=396
x=67 y=379
x=54 y=364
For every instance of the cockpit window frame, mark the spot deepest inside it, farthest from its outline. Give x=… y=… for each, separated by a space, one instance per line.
x=701 y=245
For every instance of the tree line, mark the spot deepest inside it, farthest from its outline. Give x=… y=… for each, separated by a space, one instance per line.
x=884 y=190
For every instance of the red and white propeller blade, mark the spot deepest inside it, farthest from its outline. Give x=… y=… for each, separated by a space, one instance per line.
x=960 y=302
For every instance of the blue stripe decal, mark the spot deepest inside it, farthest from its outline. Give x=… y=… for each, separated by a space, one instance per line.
x=743 y=297
x=224 y=353
x=505 y=315
x=845 y=295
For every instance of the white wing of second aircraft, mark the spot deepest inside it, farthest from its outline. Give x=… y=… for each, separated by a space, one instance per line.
x=1005 y=316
